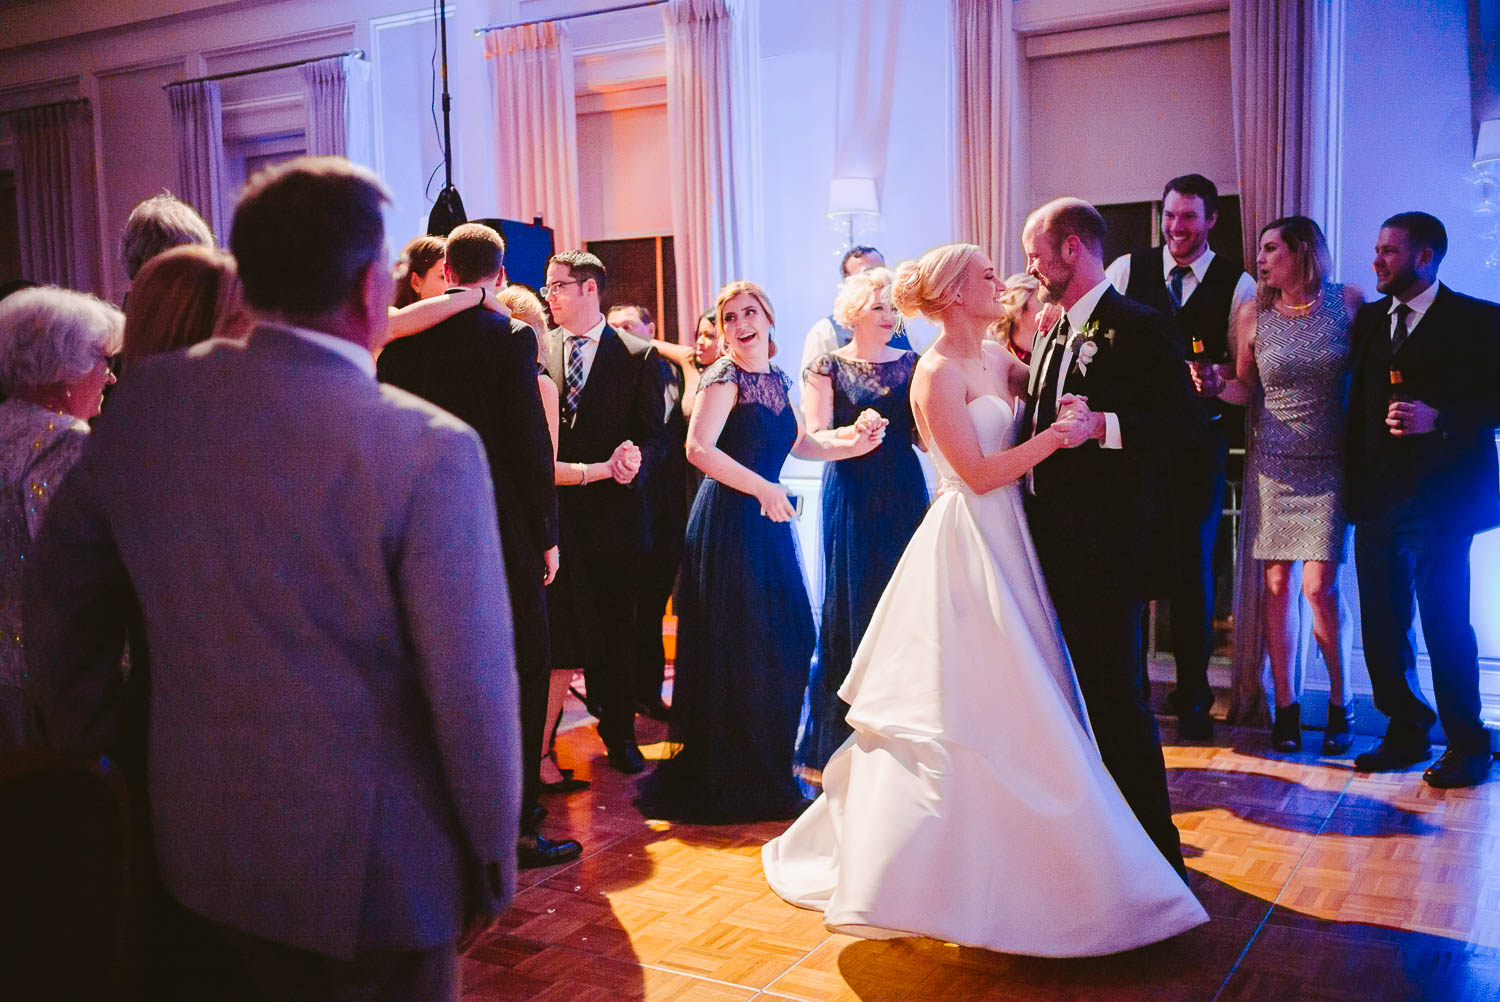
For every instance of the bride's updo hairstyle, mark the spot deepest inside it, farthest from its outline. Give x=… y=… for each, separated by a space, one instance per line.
x=930 y=285
x=733 y=289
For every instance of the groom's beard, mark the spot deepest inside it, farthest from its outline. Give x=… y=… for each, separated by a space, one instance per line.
x=1053 y=287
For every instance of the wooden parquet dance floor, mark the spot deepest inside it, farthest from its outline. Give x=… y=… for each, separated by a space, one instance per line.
x=1322 y=884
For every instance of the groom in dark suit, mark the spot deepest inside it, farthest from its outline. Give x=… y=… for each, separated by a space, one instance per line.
x=611 y=438
x=481 y=367
x=1119 y=365
x=1422 y=473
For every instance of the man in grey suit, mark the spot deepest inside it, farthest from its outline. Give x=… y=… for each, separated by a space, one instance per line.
x=333 y=763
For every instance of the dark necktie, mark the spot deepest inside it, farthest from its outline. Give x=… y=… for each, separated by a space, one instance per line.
x=1046 y=404
x=574 y=377
x=1174 y=287
x=1401 y=333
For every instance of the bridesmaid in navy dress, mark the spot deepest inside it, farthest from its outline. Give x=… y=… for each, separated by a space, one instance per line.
x=745 y=630
x=871 y=504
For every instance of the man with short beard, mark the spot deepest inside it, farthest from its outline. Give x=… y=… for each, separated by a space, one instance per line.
x=1422 y=475
x=1184 y=279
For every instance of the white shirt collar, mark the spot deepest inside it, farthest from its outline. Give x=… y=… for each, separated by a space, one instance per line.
x=1420 y=303
x=594 y=333
x=1082 y=310
x=358 y=356
x=1199 y=264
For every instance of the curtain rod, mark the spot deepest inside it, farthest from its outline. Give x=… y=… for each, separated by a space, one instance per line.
x=481 y=32
x=357 y=53
x=46 y=104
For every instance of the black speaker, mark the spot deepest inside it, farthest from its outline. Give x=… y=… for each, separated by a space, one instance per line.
x=528 y=246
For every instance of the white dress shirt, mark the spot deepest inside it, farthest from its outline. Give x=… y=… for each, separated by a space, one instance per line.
x=1420 y=304
x=590 y=348
x=1078 y=318
x=359 y=356
x=821 y=339
x=1118 y=274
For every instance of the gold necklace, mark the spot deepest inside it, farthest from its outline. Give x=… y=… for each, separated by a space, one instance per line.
x=1302 y=307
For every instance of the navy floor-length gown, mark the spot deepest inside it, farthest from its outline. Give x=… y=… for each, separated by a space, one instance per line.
x=871 y=507
x=744 y=632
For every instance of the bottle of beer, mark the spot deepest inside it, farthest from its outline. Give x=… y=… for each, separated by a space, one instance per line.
x=1397 y=393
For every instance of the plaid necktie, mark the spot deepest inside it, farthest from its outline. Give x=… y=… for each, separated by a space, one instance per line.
x=1174 y=288
x=574 y=378
x=1402 y=332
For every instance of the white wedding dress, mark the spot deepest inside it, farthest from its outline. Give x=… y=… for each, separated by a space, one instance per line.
x=971 y=804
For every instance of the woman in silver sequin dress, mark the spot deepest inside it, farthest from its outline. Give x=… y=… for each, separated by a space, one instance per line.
x=55 y=347
x=1292 y=367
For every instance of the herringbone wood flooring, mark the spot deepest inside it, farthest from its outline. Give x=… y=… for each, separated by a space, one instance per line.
x=1322 y=884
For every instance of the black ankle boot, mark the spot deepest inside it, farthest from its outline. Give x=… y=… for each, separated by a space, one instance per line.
x=1339 y=734
x=1286 y=732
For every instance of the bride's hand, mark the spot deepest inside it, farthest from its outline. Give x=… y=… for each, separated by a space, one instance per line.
x=1070 y=431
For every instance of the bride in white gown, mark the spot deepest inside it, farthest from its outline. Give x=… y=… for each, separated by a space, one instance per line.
x=971 y=804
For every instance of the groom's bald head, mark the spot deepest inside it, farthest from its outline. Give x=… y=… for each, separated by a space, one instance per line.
x=1064 y=217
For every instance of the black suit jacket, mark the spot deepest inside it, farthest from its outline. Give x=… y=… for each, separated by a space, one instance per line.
x=482 y=368
x=1104 y=508
x=1451 y=361
x=622 y=399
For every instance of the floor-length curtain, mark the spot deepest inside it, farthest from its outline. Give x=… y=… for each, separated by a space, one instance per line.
x=336 y=92
x=713 y=124
x=56 y=198
x=990 y=111
x=1285 y=76
x=198 y=139
x=536 y=120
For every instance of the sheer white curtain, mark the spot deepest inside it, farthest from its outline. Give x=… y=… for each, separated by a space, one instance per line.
x=991 y=129
x=537 y=124
x=340 y=116
x=1286 y=78
x=56 y=199
x=713 y=123
x=198 y=139
x=869 y=33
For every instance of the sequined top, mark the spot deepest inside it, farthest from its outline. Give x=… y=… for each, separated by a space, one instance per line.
x=37 y=446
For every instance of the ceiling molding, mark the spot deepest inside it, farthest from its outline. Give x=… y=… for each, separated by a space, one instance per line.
x=1124 y=36
x=1039 y=17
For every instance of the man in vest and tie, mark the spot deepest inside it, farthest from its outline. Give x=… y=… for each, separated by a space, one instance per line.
x=1185 y=279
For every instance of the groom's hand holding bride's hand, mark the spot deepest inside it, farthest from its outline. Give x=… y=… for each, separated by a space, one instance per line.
x=1080 y=423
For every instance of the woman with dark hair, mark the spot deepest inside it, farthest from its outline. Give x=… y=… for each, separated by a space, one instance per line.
x=1292 y=366
x=745 y=629
x=419 y=271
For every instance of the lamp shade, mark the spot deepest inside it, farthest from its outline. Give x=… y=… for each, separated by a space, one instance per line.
x=1487 y=149
x=856 y=196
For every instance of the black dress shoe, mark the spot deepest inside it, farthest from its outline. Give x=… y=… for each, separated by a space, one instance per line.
x=625 y=755
x=1195 y=724
x=1455 y=770
x=656 y=711
x=565 y=785
x=533 y=851
x=1391 y=756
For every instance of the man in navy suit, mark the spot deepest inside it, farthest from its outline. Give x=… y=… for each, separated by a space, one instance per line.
x=1422 y=482
x=334 y=770
x=611 y=439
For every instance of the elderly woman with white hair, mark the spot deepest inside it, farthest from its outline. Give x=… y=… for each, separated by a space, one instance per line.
x=55 y=347
x=871 y=504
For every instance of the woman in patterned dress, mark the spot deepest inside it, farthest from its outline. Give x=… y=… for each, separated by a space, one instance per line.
x=1292 y=367
x=55 y=347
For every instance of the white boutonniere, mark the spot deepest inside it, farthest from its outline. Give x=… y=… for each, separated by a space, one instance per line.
x=1088 y=346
